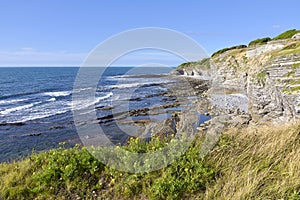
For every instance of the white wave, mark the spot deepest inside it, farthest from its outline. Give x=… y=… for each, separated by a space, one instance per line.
x=14 y=109
x=2 y=102
x=130 y=85
x=58 y=94
x=52 y=99
x=41 y=115
x=104 y=97
x=78 y=105
x=125 y=85
x=83 y=89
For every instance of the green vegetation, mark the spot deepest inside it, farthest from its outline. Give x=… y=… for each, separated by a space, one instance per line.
x=289 y=74
x=286 y=35
x=290 y=49
x=187 y=65
x=296 y=66
x=74 y=173
x=295 y=89
x=260 y=41
x=247 y=163
x=294 y=82
x=203 y=64
x=291 y=46
x=257 y=163
x=261 y=77
x=291 y=90
x=227 y=49
x=62 y=172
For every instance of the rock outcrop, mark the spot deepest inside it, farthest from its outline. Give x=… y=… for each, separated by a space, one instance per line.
x=262 y=81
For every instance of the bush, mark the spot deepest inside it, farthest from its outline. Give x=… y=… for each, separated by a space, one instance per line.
x=260 y=41
x=62 y=172
x=286 y=35
x=248 y=163
x=227 y=49
x=75 y=174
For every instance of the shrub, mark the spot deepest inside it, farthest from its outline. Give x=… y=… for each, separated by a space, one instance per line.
x=203 y=64
x=261 y=77
x=227 y=49
x=260 y=41
x=286 y=35
x=75 y=174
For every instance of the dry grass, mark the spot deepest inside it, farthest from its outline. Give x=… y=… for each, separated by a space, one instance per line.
x=257 y=163
x=251 y=163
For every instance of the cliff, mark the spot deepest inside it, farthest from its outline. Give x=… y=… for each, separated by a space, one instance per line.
x=261 y=80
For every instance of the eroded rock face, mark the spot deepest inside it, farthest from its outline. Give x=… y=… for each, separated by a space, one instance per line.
x=268 y=77
x=272 y=95
x=260 y=83
x=200 y=69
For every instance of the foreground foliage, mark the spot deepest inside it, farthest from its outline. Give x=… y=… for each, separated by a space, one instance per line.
x=249 y=163
x=257 y=163
x=74 y=173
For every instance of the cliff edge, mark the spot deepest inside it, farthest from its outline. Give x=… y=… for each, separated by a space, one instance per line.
x=261 y=80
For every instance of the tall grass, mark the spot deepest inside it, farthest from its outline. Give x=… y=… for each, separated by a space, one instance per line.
x=257 y=163
x=250 y=163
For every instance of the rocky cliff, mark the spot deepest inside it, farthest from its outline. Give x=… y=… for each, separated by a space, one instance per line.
x=261 y=81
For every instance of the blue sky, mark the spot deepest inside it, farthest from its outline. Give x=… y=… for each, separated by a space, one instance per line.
x=63 y=32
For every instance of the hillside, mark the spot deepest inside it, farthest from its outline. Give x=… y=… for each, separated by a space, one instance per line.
x=264 y=77
x=251 y=145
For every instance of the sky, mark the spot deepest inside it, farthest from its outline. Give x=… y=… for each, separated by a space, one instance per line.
x=63 y=32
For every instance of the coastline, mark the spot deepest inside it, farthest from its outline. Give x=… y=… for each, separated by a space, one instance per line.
x=246 y=147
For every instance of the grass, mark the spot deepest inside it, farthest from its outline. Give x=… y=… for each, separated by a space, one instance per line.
x=286 y=35
x=75 y=174
x=261 y=77
x=248 y=163
x=260 y=41
x=295 y=89
x=293 y=48
x=295 y=66
x=289 y=74
x=228 y=49
x=257 y=163
x=203 y=64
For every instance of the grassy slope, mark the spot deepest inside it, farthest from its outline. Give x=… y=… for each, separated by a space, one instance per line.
x=249 y=163
x=257 y=163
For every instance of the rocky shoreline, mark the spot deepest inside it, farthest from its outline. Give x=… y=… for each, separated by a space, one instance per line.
x=254 y=84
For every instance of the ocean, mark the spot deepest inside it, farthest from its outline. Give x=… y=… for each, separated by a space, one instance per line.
x=35 y=104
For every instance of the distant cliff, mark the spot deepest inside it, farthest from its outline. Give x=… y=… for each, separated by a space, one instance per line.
x=261 y=80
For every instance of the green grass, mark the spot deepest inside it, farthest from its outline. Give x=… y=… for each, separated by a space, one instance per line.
x=228 y=49
x=247 y=163
x=261 y=77
x=289 y=74
x=292 y=46
x=203 y=64
x=293 y=90
x=286 y=35
x=75 y=173
x=295 y=66
x=290 y=49
x=294 y=82
x=260 y=41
